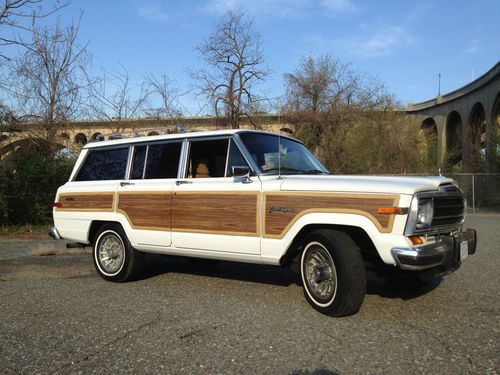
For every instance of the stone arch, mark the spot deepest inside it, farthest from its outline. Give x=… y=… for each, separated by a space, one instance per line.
x=493 y=156
x=10 y=150
x=153 y=133
x=477 y=135
x=454 y=137
x=495 y=113
x=287 y=130
x=430 y=132
x=96 y=137
x=81 y=139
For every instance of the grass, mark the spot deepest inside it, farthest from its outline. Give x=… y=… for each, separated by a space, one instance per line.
x=25 y=231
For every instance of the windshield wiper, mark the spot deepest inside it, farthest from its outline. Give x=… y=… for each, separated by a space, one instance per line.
x=293 y=170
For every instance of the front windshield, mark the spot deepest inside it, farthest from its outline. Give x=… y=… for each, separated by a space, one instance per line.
x=292 y=158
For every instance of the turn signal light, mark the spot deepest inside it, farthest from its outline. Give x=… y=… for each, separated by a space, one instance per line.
x=416 y=240
x=57 y=204
x=392 y=210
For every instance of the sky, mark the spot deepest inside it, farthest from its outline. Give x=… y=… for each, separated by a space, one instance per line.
x=406 y=44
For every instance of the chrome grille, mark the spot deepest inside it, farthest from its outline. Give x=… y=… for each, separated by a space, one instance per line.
x=448 y=210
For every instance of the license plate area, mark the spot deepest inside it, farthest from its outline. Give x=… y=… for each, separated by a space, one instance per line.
x=464 y=250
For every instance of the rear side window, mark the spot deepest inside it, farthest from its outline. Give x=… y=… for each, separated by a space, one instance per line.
x=107 y=164
x=163 y=160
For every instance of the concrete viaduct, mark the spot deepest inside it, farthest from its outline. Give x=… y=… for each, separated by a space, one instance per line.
x=462 y=127
x=75 y=134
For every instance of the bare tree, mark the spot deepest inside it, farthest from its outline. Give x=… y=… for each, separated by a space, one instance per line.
x=325 y=97
x=165 y=94
x=114 y=97
x=234 y=56
x=45 y=83
x=18 y=15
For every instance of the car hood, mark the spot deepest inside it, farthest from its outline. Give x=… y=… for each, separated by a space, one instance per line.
x=363 y=184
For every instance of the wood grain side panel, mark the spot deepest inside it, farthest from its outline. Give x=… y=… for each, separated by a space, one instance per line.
x=86 y=201
x=278 y=222
x=233 y=213
x=146 y=210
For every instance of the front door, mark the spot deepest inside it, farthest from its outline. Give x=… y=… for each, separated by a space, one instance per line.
x=211 y=209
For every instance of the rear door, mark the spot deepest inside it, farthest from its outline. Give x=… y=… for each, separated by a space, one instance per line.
x=145 y=197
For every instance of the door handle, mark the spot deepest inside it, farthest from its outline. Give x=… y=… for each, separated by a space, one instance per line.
x=183 y=182
x=124 y=183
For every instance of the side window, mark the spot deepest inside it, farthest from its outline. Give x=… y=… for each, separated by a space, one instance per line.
x=138 y=159
x=163 y=160
x=234 y=159
x=107 y=164
x=207 y=158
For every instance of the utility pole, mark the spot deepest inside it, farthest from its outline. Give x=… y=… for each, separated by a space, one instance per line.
x=439 y=84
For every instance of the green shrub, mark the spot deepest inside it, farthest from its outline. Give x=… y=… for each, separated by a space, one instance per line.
x=28 y=186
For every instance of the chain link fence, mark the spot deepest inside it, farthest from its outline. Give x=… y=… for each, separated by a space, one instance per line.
x=481 y=189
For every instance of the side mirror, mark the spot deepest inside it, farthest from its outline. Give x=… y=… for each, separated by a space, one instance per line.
x=240 y=171
x=241 y=174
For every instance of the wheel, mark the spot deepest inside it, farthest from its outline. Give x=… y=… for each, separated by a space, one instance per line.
x=333 y=273
x=114 y=257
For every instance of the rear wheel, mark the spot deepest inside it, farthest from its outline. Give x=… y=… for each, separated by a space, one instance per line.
x=333 y=273
x=114 y=257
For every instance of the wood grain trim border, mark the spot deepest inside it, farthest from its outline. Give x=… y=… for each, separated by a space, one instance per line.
x=383 y=229
x=255 y=216
x=103 y=206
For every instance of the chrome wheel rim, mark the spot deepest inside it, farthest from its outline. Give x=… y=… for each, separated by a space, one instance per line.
x=319 y=273
x=110 y=253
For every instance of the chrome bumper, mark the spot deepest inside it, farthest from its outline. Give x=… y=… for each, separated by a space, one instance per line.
x=54 y=233
x=444 y=252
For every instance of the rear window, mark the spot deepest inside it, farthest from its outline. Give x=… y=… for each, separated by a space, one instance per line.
x=107 y=164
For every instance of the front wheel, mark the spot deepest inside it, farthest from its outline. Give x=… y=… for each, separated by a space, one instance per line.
x=333 y=273
x=114 y=257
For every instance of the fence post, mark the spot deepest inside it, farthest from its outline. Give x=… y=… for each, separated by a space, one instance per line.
x=473 y=195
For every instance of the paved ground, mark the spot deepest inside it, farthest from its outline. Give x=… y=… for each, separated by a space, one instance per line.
x=58 y=316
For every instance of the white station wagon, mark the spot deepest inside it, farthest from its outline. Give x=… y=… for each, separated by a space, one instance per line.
x=258 y=197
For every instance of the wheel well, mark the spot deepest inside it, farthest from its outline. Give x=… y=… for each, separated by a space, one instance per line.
x=358 y=235
x=94 y=227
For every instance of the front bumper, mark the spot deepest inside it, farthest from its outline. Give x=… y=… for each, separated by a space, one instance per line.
x=446 y=251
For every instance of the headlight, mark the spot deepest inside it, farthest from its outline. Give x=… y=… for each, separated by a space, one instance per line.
x=425 y=213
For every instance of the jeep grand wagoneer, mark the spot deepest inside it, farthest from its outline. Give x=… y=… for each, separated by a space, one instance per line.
x=258 y=197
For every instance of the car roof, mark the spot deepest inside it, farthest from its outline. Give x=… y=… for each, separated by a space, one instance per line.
x=196 y=134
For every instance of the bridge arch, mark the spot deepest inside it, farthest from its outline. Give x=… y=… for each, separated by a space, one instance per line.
x=454 y=137
x=153 y=133
x=8 y=151
x=96 y=137
x=81 y=139
x=477 y=135
x=430 y=131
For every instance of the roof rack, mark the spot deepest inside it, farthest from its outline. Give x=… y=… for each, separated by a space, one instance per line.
x=135 y=133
